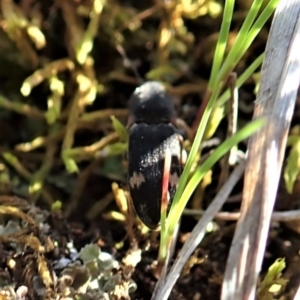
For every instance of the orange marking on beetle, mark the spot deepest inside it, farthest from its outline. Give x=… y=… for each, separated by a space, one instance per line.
x=165 y=182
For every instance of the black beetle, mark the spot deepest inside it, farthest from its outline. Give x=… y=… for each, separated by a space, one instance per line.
x=152 y=130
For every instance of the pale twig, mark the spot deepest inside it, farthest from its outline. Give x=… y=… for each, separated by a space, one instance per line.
x=198 y=233
x=97 y=115
x=23 y=172
x=297 y=296
x=129 y=64
x=82 y=180
x=277 y=216
x=230 y=157
x=21 y=108
x=276 y=100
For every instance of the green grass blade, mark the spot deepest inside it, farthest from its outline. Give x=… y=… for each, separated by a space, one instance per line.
x=222 y=42
x=246 y=37
x=241 y=135
x=195 y=147
x=258 y=25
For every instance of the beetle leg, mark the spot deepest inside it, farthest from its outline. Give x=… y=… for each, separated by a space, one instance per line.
x=180 y=124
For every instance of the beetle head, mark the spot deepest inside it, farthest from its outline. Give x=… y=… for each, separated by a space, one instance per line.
x=151 y=104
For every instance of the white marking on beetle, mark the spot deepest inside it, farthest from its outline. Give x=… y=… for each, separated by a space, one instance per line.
x=136 y=180
x=183 y=157
x=174 y=179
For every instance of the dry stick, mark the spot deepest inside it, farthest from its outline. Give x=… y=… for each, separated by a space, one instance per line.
x=49 y=70
x=276 y=100
x=231 y=129
x=38 y=178
x=297 y=296
x=86 y=118
x=88 y=152
x=21 y=108
x=41 y=141
x=128 y=63
x=233 y=116
x=23 y=172
x=97 y=115
x=198 y=233
x=82 y=180
x=141 y=16
x=277 y=216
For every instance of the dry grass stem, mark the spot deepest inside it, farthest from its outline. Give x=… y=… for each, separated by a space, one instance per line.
x=198 y=233
x=276 y=100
